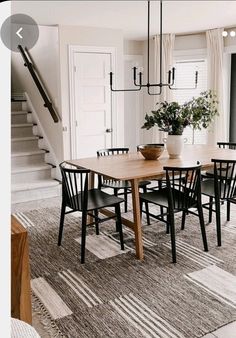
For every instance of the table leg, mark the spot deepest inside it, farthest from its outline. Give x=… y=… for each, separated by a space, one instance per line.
x=137 y=219
x=91 y=180
x=91 y=186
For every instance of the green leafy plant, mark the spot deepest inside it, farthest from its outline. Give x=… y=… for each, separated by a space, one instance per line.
x=173 y=117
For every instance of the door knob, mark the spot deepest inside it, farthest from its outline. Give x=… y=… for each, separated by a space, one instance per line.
x=108 y=130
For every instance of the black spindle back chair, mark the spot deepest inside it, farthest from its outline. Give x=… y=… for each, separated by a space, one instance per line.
x=222 y=145
x=77 y=197
x=124 y=186
x=182 y=192
x=112 y=151
x=221 y=188
x=74 y=187
x=227 y=145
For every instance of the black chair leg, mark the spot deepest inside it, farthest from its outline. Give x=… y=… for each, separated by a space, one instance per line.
x=183 y=220
x=218 y=221
x=210 y=209
x=141 y=208
x=172 y=236
x=116 y=194
x=162 y=211
x=126 y=199
x=168 y=223
x=202 y=225
x=83 y=236
x=228 y=211
x=96 y=221
x=146 y=207
x=119 y=225
x=63 y=209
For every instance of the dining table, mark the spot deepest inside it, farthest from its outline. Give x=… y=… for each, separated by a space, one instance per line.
x=134 y=168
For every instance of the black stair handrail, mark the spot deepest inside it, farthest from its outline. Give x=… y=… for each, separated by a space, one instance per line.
x=30 y=66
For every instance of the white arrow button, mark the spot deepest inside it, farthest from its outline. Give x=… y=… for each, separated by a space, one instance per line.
x=18 y=33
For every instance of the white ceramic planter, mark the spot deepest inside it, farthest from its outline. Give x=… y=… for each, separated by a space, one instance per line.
x=175 y=145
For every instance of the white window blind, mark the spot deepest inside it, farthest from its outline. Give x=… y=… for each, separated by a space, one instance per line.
x=185 y=78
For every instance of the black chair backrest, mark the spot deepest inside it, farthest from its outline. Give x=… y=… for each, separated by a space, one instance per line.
x=112 y=151
x=109 y=152
x=225 y=178
x=74 y=186
x=227 y=145
x=183 y=186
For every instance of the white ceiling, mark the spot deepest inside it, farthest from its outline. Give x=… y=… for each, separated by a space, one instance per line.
x=131 y=16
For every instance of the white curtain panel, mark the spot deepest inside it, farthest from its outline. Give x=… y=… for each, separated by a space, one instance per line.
x=215 y=50
x=168 y=41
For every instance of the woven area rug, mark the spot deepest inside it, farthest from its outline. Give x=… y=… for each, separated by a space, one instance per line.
x=115 y=295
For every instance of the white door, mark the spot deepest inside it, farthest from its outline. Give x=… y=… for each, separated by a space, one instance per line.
x=92 y=103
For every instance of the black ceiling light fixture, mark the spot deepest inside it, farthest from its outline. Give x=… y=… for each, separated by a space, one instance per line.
x=171 y=73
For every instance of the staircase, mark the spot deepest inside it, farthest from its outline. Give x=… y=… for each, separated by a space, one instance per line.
x=31 y=176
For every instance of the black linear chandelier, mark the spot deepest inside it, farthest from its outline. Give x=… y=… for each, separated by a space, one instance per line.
x=148 y=85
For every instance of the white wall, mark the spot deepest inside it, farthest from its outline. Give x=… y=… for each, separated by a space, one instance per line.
x=45 y=56
x=193 y=41
x=133 y=47
x=88 y=36
x=149 y=100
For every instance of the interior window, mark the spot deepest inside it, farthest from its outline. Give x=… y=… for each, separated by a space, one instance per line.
x=185 y=77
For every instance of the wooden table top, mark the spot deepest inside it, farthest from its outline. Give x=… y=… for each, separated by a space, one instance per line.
x=134 y=166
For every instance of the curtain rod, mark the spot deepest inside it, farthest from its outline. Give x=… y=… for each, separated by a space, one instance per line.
x=204 y=31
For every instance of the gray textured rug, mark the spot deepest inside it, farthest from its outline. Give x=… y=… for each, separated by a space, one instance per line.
x=115 y=295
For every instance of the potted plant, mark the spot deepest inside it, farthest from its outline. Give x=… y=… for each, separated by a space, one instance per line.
x=173 y=117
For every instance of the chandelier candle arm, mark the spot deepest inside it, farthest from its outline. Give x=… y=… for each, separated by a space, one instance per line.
x=122 y=90
x=135 y=77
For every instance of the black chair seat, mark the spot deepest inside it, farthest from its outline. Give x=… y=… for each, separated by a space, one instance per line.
x=122 y=184
x=160 y=197
x=97 y=199
x=208 y=188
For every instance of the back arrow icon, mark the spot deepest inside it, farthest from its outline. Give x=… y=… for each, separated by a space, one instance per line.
x=18 y=33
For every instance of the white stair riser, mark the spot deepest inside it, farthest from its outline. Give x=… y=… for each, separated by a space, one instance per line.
x=30 y=176
x=19 y=118
x=16 y=106
x=35 y=194
x=27 y=160
x=24 y=145
x=22 y=131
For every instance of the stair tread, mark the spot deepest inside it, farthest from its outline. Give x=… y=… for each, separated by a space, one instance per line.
x=34 y=185
x=30 y=167
x=19 y=112
x=19 y=125
x=28 y=138
x=26 y=153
